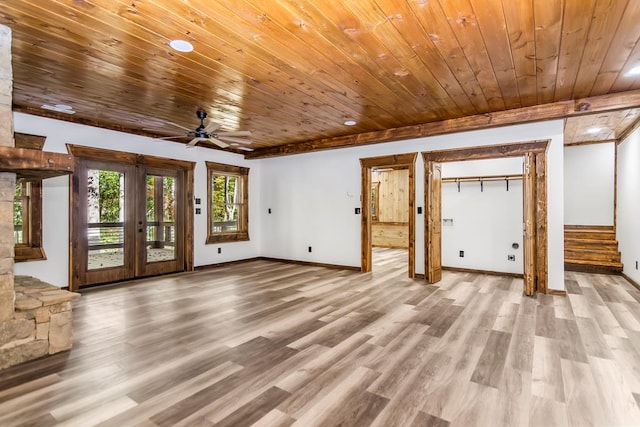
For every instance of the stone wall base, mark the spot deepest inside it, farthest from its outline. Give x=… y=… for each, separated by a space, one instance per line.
x=41 y=324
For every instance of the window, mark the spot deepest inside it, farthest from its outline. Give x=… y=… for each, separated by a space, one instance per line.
x=27 y=209
x=227 y=193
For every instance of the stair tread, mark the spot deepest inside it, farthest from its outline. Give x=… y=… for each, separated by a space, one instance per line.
x=591 y=262
x=607 y=251
x=591 y=241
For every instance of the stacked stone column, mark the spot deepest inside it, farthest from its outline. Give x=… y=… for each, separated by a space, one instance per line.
x=7 y=180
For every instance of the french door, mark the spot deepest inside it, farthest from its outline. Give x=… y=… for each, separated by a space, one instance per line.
x=128 y=221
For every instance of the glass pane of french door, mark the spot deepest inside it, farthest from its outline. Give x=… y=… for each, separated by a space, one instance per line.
x=160 y=207
x=105 y=219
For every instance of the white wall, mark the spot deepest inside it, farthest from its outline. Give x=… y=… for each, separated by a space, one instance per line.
x=589 y=176
x=313 y=196
x=55 y=227
x=628 y=205
x=484 y=224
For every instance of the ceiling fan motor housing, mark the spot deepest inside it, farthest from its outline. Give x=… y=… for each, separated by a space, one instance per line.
x=200 y=130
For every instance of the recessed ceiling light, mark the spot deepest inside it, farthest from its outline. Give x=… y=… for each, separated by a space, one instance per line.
x=635 y=71
x=181 y=45
x=350 y=123
x=594 y=130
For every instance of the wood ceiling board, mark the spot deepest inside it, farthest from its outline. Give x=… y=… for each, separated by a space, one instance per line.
x=459 y=15
x=520 y=28
x=606 y=18
x=548 y=27
x=293 y=71
x=440 y=36
x=577 y=21
x=489 y=15
x=404 y=63
x=614 y=124
x=625 y=40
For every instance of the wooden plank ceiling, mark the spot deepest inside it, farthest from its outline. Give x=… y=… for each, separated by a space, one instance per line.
x=293 y=71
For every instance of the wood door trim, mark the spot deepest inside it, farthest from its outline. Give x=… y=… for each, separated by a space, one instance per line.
x=92 y=153
x=394 y=161
x=433 y=216
x=538 y=149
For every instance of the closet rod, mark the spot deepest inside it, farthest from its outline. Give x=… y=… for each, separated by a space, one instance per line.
x=482 y=178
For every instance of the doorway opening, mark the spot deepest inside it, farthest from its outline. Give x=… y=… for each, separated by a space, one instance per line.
x=388 y=219
x=482 y=216
x=534 y=207
x=389 y=216
x=130 y=216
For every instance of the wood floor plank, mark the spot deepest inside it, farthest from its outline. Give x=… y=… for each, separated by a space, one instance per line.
x=547 y=372
x=491 y=364
x=276 y=344
x=252 y=411
x=579 y=389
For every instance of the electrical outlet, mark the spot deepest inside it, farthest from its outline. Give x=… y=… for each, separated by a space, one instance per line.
x=636 y=265
x=309 y=248
x=269 y=210
x=511 y=257
x=357 y=211
x=419 y=210
x=219 y=250
x=461 y=254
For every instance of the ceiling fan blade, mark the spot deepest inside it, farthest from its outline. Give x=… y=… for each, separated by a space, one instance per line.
x=211 y=127
x=219 y=143
x=180 y=126
x=233 y=139
x=194 y=141
x=238 y=133
x=171 y=137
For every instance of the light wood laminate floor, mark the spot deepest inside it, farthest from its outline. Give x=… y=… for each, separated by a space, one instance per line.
x=273 y=344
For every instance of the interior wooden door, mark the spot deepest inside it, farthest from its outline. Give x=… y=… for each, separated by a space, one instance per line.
x=434 y=228
x=529 y=229
x=103 y=216
x=159 y=219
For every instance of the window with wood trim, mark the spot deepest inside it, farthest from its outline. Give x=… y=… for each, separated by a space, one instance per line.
x=227 y=207
x=27 y=209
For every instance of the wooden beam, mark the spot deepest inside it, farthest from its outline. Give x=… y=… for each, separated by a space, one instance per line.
x=551 y=111
x=29 y=164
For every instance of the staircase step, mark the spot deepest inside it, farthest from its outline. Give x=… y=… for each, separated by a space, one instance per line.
x=591 y=267
x=592 y=244
x=609 y=235
x=595 y=232
x=592 y=255
x=591 y=248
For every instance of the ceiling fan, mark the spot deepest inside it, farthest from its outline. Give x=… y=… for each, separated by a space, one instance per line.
x=208 y=133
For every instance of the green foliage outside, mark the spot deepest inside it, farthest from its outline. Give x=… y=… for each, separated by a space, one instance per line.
x=18 y=218
x=108 y=194
x=226 y=194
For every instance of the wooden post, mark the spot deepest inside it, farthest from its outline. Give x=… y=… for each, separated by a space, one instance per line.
x=7 y=180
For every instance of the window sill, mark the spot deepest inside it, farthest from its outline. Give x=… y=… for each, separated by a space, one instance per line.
x=27 y=253
x=227 y=237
